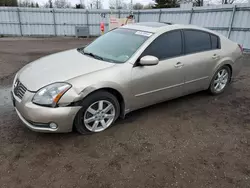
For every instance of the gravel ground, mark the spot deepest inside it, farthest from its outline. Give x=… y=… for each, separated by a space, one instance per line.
x=194 y=141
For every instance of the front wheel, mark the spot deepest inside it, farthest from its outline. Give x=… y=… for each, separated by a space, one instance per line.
x=98 y=112
x=220 y=80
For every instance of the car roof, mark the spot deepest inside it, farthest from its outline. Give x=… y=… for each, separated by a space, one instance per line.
x=155 y=27
x=152 y=24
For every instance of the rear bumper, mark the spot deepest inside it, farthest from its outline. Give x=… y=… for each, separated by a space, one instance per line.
x=38 y=118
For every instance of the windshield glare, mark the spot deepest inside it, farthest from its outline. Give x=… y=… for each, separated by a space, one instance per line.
x=118 y=45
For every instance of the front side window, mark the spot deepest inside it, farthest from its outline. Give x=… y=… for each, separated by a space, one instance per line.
x=167 y=45
x=196 y=41
x=116 y=46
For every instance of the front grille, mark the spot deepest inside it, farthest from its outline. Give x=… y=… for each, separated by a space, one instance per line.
x=19 y=89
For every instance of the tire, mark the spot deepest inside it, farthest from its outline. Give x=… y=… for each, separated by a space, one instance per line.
x=87 y=117
x=223 y=81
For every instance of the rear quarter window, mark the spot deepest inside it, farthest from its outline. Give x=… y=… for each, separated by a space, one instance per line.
x=215 y=42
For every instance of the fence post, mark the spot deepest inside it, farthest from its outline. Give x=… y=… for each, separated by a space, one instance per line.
x=191 y=15
x=119 y=13
x=159 y=16
x=138 y=18
x=54 y=18
x=231 y=22
x=19 y=20
x=87 y=20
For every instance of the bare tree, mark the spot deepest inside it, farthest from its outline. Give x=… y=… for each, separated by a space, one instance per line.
x=80 y=6
x=125 y=5
x=89 y=6
x=28 y=3
x=228 y=1
x=117 y=4
x=11 y=3
x=95 y=4
x=25 y=3
x=198 y=3
x=167 y=3
x=62 y=4
x=48 y=4
x=148 y=6
x=137 y=6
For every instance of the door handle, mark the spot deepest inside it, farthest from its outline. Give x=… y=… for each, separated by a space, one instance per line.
x=215 y=56
x=178 y=65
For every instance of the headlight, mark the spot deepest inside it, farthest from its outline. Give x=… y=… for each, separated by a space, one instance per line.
x=51 y=94
x=14 y=81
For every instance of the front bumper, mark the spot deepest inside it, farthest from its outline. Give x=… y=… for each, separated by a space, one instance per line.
x=38 y=118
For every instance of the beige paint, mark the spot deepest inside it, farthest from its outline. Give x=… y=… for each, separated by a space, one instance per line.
x=140 y=86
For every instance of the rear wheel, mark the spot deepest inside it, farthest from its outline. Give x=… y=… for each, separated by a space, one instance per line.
x=98 y=112
x=220 y=80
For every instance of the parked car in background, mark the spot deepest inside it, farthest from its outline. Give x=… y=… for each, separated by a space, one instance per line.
x=128 y=68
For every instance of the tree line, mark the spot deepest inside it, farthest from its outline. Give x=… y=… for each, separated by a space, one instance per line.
x=98 y=4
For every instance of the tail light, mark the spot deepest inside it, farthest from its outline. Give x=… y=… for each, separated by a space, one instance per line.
x=241 y=49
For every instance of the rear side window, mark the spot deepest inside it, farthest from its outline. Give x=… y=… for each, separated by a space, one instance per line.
x=196 y=41
x=165 y=46
x=215 y=42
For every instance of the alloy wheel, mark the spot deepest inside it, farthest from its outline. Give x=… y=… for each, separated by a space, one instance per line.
x=221 y=80
x=99 y=116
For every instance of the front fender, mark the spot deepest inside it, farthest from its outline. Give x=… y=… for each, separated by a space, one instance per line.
x=117 y=77
x=103 y=85
x=74 y=95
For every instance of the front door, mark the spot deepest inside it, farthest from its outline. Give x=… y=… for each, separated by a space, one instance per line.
x=153 y=84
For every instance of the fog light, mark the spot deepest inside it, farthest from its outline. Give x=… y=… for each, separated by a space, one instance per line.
x=53 y=125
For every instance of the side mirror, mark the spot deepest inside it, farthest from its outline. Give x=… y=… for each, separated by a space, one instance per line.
x=149 y=60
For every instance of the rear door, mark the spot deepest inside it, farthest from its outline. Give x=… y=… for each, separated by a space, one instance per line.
x=201 y=55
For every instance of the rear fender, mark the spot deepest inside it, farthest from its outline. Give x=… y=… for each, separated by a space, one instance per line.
x=224 y=61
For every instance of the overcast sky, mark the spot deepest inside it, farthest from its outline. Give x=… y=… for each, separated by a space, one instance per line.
x=144 y=2
x=105 y=2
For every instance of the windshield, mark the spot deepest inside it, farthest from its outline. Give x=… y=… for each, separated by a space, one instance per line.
x=116 y=46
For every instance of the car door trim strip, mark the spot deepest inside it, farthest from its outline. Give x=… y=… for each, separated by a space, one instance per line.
x=153 y=91
x=176 y=85
x=202 y=78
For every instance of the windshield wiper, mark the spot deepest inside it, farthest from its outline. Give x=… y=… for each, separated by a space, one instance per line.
x=93 y=55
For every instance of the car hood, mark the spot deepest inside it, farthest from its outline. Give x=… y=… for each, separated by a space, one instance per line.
x=58 y=67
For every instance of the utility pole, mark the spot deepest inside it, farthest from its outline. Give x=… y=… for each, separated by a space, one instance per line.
x=81 y=3
x=131 y=6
